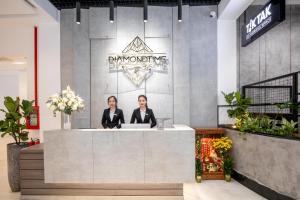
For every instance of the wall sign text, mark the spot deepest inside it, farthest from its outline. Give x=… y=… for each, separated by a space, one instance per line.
x=137 y=61
x=267 y=17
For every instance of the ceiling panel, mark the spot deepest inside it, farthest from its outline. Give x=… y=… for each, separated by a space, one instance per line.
x=64 y=4
x=16 y=7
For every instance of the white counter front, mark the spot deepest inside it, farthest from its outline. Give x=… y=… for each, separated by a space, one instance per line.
x=120 y=155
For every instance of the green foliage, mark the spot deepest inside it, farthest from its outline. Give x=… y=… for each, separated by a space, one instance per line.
x=199 y=170
x=15 y=118
x=266 y=125
x=261 y=124
x=198 y=156
x=287 y=127
x=251 y=125
x=238 y=107
x=228 y=165
x=287 y=105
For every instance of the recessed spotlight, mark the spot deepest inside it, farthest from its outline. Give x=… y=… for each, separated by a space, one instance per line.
x=78 y=12
x=111 y=11
x=145 y=11
x=179 y=10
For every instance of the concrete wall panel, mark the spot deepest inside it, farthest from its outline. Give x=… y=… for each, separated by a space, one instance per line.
x=181 y=69
x=100 y=26
x=159 y=22
x=203 y=70
x=295 y=33
x=191 y=77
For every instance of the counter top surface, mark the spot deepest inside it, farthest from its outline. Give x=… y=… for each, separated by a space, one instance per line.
x=175 y=128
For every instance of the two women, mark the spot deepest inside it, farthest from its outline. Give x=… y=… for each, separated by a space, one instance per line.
x=113 y=117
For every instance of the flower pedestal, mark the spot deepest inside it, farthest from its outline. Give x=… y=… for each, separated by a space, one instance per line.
x=67 y=122
x=227 y=177
x=198 y=178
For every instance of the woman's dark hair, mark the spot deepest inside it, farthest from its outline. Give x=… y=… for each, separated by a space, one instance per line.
x=115 y=98
x=143 y=96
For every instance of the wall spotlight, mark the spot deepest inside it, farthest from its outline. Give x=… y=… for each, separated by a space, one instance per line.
x=78 y=12
x=145 y=10
x=111 y=11
x=179 y=10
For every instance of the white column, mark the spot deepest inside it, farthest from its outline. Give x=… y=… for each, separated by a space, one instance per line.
x=48 y=73
x=229 y=11
x=227 y=58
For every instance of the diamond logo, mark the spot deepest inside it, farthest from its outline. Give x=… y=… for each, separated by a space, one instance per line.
x=137 y=45
x=138 y=62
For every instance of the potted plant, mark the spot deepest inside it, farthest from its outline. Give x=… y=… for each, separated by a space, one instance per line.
x=199 y=171
x=65 y=102
x=198 y=162
x=14 y=124
x=227 y=167
x=238 y=107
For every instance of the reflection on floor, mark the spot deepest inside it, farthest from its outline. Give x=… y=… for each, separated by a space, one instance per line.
x=219 y=190
x=207 y=190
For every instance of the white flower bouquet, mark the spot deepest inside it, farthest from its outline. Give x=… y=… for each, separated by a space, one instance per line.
x=66 y=102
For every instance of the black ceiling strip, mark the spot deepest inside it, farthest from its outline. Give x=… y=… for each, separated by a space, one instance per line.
x=67 y=4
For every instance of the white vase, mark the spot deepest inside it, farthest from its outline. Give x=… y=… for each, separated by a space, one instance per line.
x=67 y=122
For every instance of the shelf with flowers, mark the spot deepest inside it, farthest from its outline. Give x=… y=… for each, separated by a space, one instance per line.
x=65 y=102
x=208 y=162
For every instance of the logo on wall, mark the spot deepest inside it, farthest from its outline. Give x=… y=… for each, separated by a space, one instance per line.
x=138 y=62
x=266 y=18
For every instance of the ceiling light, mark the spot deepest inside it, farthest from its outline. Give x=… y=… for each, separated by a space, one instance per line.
x=145 y=10
x=78 y=12
x=13 y=60
x=111 y=11
x=179 y=10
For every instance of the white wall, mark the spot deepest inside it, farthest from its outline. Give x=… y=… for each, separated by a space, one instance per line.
x=17 y=40
x=227 y=58
x=229 y=11
x=9 y=86
x=49 y=73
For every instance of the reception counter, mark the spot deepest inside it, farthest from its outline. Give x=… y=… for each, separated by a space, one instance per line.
x=120 y=155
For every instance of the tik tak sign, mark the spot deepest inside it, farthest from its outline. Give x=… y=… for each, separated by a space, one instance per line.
x=266 y=18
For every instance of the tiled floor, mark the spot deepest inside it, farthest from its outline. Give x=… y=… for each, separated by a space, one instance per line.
x=207 y=190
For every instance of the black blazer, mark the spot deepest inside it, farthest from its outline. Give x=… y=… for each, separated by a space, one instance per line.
x=115 y=122
x=136 y=116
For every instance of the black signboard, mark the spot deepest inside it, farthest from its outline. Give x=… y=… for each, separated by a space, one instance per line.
x=266 y=18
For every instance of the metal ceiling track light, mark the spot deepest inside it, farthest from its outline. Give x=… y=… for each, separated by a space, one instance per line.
x=111 y=11
x=78 y=12
x=145 y=10
x=179 y=10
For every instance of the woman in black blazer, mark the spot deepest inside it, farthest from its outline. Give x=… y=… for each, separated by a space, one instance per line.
x=112 y=116
x=143 y=114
